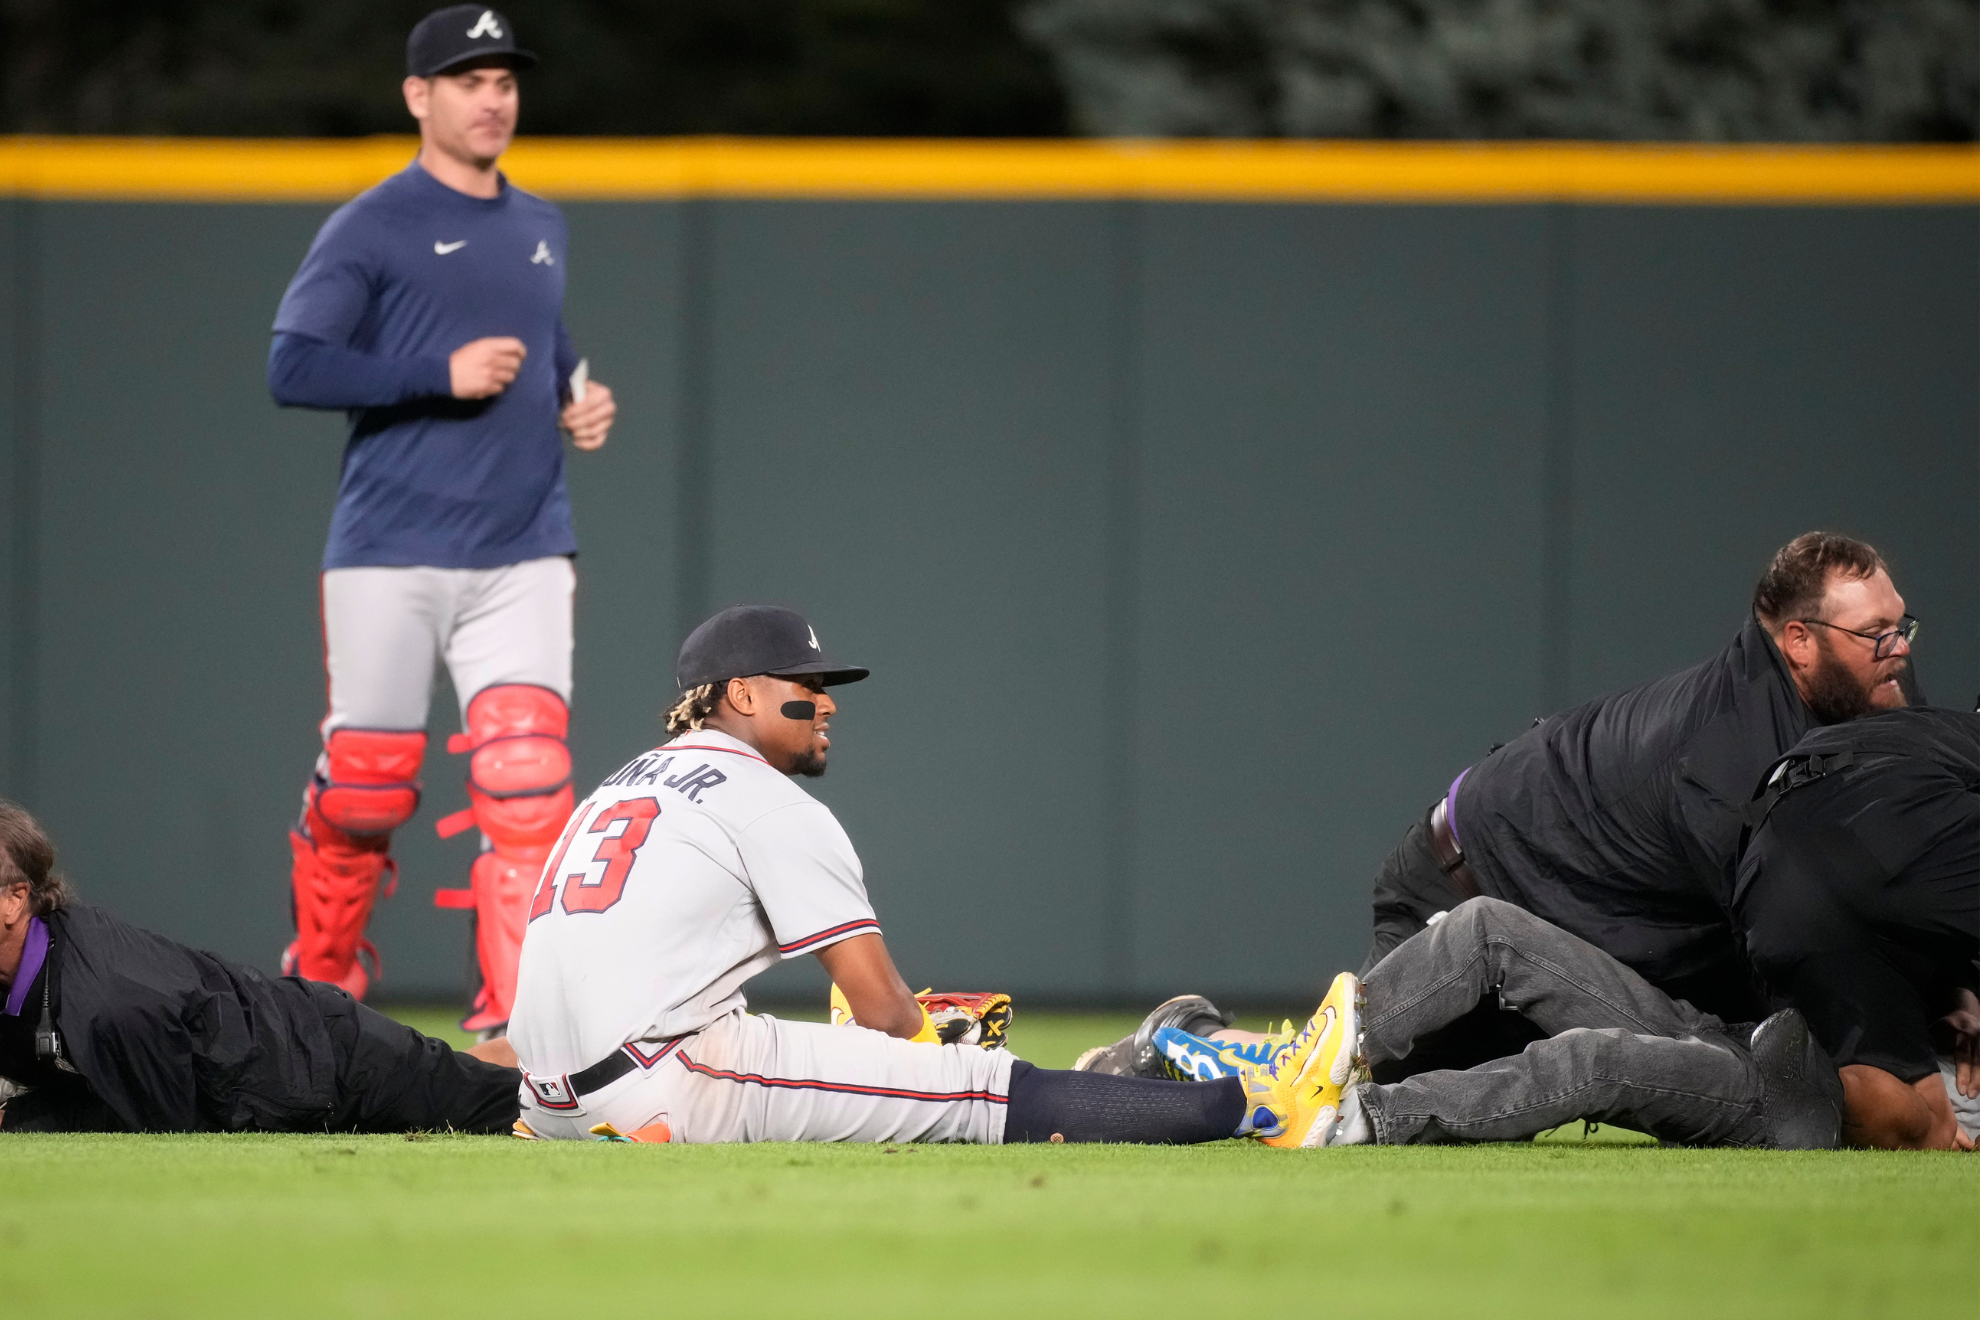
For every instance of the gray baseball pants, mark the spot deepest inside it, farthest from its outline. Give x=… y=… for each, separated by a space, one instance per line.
x=387 y=630
x=750 y=1078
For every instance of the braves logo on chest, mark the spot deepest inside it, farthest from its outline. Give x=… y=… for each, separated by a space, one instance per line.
x=542 y=256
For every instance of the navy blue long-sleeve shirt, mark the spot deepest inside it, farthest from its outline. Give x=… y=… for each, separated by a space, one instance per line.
x=396 y=281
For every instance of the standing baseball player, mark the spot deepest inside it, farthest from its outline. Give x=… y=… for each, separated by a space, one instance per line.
x=701 y=864
x=431 y=310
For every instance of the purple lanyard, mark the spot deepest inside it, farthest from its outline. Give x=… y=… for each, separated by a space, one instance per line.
x=1450 y=807
x=32 y=956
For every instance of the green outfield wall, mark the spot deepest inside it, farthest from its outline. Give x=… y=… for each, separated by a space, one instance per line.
x=1195 y=545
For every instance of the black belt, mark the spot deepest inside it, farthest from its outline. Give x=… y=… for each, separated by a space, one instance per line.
x=603 y=1073
x=1445 y=852
x=563 y=1094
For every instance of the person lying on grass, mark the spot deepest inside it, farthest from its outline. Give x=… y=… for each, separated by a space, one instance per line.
x=108 y=1028
x=1859 y=900
x=1613 y=1048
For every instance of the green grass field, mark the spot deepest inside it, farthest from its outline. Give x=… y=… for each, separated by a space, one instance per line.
x=442 y=1225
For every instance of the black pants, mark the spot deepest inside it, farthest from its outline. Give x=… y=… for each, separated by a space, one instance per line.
x=1409 y=890
x=390 y=1078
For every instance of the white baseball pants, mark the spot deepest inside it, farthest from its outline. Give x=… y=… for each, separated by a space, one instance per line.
x=751 y=1078
x=385 y=631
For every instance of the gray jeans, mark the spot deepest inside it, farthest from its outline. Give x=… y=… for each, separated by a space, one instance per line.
x=1618 y=1050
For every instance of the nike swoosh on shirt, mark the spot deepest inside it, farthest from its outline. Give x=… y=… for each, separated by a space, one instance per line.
x=444 y=248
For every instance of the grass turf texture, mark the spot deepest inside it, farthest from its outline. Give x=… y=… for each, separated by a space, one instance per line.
x=443 y=1225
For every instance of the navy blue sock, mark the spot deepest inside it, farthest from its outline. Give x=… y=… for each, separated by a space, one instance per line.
x=1082 y=1106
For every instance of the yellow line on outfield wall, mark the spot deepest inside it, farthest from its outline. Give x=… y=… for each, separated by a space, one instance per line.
x=633 y=169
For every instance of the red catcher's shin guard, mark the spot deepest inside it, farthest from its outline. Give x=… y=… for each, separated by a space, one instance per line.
x=501 y=888
x=369 y=787
x=519 y=782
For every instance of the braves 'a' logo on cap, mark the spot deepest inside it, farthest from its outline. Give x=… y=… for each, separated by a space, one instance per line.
x=486 y=26
x=814 y=638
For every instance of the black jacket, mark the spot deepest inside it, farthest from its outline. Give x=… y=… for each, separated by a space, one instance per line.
x=1619 y=820
x=170 y=1039
x=1859 y=895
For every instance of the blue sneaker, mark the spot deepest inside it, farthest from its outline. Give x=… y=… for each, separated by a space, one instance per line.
x=1190 y=1058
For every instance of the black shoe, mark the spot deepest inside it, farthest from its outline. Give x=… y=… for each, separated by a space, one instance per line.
x=1801 y=1092
x=1136 y=1055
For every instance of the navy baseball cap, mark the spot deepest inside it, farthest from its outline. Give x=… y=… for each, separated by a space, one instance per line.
x=450 y=37
x=757 y=639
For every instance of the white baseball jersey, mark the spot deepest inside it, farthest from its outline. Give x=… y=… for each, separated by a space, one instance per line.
x=686 y=873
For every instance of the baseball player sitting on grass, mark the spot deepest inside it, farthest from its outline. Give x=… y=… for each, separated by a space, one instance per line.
x=702 y=863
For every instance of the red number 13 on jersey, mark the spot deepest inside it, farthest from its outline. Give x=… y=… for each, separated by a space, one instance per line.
x=583 y=894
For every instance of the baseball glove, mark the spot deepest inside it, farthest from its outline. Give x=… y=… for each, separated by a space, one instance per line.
x=966 y=1018
x=969 y=1017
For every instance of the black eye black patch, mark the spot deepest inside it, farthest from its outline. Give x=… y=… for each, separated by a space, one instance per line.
x=799 y=710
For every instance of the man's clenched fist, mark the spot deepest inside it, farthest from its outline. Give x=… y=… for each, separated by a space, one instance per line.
x=483 y=368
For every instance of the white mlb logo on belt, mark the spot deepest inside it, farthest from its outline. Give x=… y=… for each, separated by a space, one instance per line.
x=554 y=1092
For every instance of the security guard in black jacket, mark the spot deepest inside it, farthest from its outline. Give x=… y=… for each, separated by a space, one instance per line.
x=1858 y=899
x=105 y=1027
x=1619 y=820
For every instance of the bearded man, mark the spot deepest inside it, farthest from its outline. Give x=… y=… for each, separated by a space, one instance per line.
x=1619 y=820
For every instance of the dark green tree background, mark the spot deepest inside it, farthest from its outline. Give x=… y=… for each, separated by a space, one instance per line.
x=1813 y=70
x=332 y=67
x=1714 y=70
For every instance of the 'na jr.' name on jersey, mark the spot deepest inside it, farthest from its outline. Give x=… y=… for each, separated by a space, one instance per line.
x=647 y=770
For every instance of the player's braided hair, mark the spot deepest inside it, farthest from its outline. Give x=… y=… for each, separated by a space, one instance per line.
x=695 y=705
x=27 y=857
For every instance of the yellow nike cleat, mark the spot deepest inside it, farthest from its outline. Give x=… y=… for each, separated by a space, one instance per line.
x=1299 y=1094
